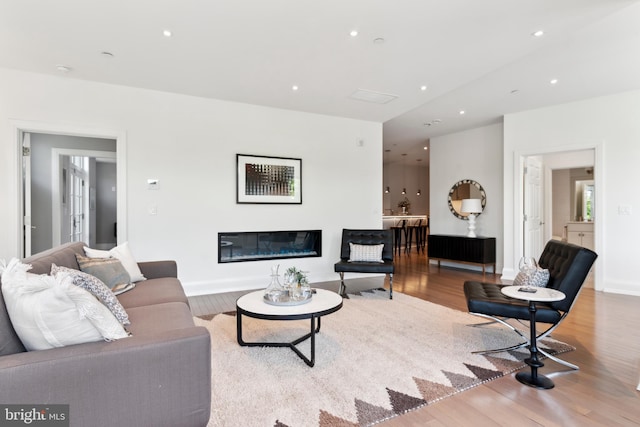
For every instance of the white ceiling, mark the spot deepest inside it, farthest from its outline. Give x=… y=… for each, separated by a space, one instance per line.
x=472 y=54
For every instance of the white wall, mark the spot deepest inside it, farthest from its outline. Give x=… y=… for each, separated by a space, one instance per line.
x=475 y=154
x=610 y=125
x=190 y=144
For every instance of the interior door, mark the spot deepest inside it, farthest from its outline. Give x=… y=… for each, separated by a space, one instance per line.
x=533 y=208
x=26 y=192
x=77 y=197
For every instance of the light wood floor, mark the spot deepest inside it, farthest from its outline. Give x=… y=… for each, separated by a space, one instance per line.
x=603 y=328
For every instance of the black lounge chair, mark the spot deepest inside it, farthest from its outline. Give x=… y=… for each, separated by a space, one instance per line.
x=568 y=267
x=365 y=237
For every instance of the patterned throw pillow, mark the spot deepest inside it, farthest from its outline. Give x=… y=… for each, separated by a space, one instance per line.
x=538 y=277
x=109 y=270
x=365 y=253
x=96 y=288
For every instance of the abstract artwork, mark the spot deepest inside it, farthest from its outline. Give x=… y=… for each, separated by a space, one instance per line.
x=262 y=179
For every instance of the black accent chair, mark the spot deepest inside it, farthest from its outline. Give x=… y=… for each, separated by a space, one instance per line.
x=366 y=237
x=568 y=267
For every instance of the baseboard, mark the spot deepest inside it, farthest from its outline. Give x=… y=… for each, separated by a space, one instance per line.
x=624 y=288
x=508 y=274
x=221 y=286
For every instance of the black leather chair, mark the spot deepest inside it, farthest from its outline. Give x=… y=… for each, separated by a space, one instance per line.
x=366 y=237
x=568 y=267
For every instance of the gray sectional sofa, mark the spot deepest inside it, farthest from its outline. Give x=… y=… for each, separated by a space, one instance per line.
x=159 y=376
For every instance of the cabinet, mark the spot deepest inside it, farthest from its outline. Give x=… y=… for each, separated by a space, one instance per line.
x=463 y=249
x=581 y=234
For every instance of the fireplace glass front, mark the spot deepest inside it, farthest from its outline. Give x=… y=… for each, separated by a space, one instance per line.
x=264 y=245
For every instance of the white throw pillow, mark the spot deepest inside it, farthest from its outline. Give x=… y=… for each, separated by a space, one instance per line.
x=124 y=255
x=365 y=253
x=48 y=312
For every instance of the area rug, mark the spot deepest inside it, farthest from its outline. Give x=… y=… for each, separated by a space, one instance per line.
x=375 y=359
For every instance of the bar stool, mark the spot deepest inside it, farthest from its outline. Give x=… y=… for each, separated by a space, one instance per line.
x=421 y=239
x=398 y=228
x=410 y=231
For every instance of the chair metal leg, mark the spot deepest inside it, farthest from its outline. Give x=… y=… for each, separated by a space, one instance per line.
x=390 y=285
x=526 y=339
x=343 y=287
x=560 y=361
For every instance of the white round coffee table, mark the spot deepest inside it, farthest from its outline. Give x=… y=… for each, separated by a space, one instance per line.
x=322 y=302
x=533 y=295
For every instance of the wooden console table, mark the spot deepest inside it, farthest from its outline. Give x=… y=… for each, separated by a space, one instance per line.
x=463 y=249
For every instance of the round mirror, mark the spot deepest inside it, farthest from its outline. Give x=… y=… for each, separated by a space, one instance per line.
x=465 y=189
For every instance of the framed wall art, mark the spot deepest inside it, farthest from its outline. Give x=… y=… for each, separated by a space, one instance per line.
x=272 y=180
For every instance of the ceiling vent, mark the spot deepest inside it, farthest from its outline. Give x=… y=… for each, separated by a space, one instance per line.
x=371 y=96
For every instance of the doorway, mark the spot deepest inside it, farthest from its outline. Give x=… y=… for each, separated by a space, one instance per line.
x=109 y=156
x=568 y=195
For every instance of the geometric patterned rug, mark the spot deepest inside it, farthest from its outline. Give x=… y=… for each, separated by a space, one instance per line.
x=375 y=359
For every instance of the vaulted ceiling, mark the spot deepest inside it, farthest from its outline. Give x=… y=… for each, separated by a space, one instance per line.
x=414 y=65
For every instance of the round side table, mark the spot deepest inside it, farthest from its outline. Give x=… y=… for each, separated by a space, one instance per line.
x=533 y=295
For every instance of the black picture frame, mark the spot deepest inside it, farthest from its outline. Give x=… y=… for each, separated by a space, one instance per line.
x=268 y=180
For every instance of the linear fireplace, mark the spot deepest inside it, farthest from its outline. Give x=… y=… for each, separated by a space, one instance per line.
x=262 y=245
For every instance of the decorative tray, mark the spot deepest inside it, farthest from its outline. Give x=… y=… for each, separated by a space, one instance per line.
x=287 y=301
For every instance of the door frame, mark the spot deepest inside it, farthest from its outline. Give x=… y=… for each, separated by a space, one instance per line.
x=18 y=127
x=518 y=200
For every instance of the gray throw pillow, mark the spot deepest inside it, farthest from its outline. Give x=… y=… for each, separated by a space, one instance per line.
x=97 y=288
x=109 y=270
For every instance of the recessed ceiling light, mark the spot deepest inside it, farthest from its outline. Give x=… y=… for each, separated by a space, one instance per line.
x=353 y=33
x=294 y=87
x=553 y=81
x=106 y=54
x=167 y=33
x=423 y=88
x=63 y=68
x=538 y=33
x=378 y=40
x=462 y=112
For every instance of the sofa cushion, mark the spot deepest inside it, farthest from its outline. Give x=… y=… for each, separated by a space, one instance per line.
x=64 y=255
x=159 y=318
x=47 y=312
x=154 y=291
x=97 y=288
